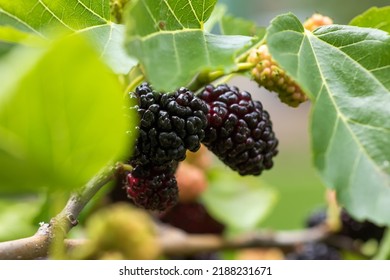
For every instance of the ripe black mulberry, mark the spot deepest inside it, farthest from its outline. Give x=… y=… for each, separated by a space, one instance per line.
x=239 y=130
x=152 y=188
x=170 y=123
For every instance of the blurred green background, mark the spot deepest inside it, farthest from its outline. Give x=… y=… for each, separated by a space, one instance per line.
x=297 y=182
x=262 y=11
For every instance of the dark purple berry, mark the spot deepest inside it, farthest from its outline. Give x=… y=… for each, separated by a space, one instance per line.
x=361 y=230
x=316 y=218
x=239 y=130
x=192 y=218
x=152 y=189
x=314 y=251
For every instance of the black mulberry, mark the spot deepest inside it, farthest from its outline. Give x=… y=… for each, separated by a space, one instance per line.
x=239 y=130
x=316 y=218
x=152 y=188
x=315 y=251
x=170 y=123
x=361 y=230
x=192 y=217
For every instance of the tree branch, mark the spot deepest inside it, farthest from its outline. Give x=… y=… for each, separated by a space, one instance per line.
x=177 y=242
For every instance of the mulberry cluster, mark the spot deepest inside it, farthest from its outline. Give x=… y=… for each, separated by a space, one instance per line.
x=170 y=124
x=268 y=74
x=226 y=120
x=239 y=130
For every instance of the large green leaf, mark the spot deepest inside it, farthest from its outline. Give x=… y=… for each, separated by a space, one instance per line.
x=17 y=216
x=169 y=40
x=241 y=203
x=149 y=16
x=109 y=40
x=170 y=62
x=374 y=17
x=45 y=16
x=12 y=35
x=61 y=117
x=49 y=18
x=346 y=72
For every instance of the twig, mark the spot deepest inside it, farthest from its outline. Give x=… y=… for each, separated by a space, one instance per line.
x=177 y=242
x=174 y=241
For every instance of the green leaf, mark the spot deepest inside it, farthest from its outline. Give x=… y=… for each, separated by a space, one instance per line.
x=215 y=17
x=17 y=216
x=374 y=17
x=231 y=25
x=12 y=35
x=175 y=63
x=109 y=40
x=345 y=70
x=61 y=117
x=171 y=44
x=47 y=18
x=5 y=48
x=149 y=16
x=239 y=202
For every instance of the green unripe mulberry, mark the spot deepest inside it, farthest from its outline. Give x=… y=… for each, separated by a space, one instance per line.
x=268 y=74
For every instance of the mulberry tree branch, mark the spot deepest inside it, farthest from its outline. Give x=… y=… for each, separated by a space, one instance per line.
x=177 y=242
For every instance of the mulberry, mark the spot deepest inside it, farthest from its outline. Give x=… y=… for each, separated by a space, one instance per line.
x=170 y=123
x=316 y=218
x=239 y=130
x=152 y=188
x=315 y=251
x=268 y=74
x=192 y=217
x=317 y=20
x=363 y=230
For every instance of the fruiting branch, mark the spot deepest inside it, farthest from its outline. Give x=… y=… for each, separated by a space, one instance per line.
x=177 y=242
x=173 y=241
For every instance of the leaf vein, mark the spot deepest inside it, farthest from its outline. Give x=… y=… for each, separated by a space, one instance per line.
x=20 y=21
x=92 y=11
x=54 y=15
x=339 y=113
x=173 y=12
x=108 y=41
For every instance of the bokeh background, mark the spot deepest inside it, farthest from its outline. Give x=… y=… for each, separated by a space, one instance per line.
x=300 y=190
